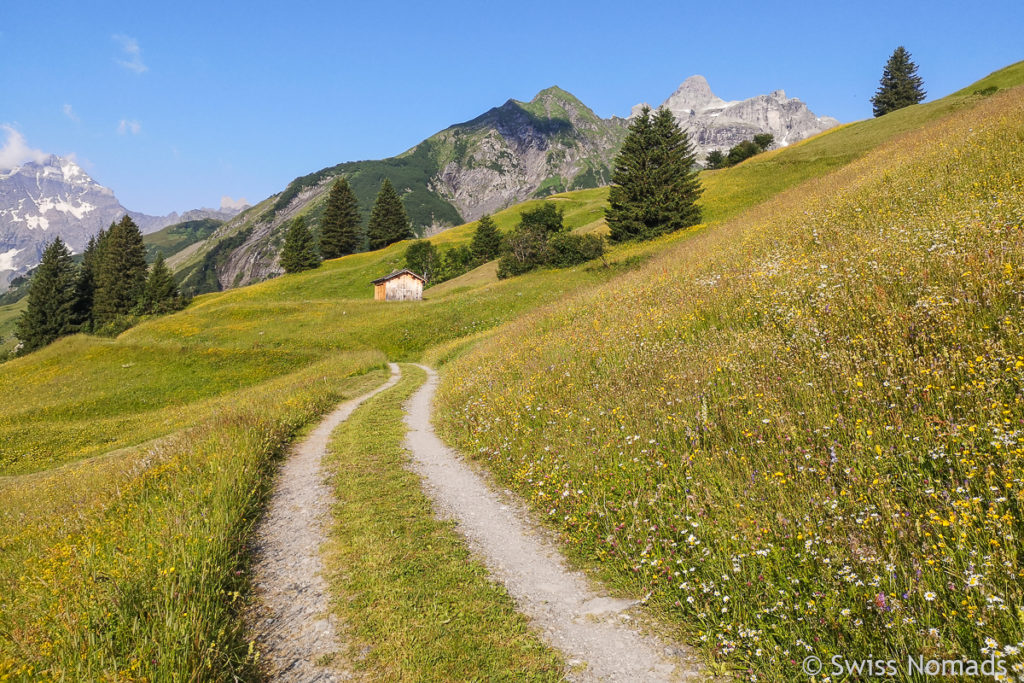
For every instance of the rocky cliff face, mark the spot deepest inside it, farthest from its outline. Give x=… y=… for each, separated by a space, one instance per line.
x=521 y=150
x=714 y=123
x=41 y=200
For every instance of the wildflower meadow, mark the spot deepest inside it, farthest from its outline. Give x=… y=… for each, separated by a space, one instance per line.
x=801 y=433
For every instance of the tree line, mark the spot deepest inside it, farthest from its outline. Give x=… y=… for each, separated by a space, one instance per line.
x=739 y=152
x=654 y=192
x=341 y=229
x=540 y=239
x=104 y=295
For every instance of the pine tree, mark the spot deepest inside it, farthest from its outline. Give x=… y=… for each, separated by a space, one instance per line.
x=388 y=220
x=715 y=159
x=299 y=250
x=121 y=272
x=161 y=293
x=900 y=86
x=486 y=244
x=654 y=185
x=85 y=286
x=340 y=228
x=51 y=300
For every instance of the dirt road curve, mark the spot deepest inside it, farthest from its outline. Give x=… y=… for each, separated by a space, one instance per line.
x=290 y=617
x=594 y=632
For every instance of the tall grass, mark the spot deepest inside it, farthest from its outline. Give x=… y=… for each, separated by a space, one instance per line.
x=800 y=433
x=134 y=567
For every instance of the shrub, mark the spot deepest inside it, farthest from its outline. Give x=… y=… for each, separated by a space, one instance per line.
x=421 y=257
x=571 y=249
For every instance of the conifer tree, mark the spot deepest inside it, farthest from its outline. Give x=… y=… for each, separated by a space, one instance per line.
x=85 y=286
x=299 y=250
x=51 y=300
x=161 y=293
x=388 y=220
x=121 y=272
x=654 y=185
x=715 y=159
x=900 y=86
x=486 y=244
x=339 y=230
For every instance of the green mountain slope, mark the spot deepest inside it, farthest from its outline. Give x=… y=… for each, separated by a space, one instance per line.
x=132 y=468
x=172 y=239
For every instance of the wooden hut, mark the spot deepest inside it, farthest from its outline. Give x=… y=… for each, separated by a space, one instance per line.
x=399 y=285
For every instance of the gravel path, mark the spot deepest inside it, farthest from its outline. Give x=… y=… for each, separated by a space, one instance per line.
x=594 y=632
x=290 y=618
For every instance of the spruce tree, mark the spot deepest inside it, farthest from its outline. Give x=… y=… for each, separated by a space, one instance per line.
x=121 y=272
x=654 y=185
x=388 y=220
x=715 y=159
x=51 y=300
x=340 y=228
x=85 y=286
x=299 y=250
x=161 y=293
x=486 y=244
x=900 y=86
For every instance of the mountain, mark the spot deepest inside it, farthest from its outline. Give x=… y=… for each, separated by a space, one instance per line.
x=715 y=124
x=511 y=153
x=508 y=154
x=40 y=200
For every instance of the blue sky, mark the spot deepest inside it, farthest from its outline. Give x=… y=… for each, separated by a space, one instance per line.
x=174 y=105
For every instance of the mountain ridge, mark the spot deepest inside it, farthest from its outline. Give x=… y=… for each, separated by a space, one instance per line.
x=54 y=196
x=509 y=153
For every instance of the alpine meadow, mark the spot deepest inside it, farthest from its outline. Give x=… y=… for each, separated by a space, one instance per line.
x=760 y=413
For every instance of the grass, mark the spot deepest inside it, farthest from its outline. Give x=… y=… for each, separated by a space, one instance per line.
x=8 y=322
x=799 y=432
x=130 y=456
x=418 y=606
x=133 y=566
x=172 y=239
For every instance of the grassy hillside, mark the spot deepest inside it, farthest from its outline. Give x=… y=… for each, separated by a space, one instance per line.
x=799 y=433
x=172 y=239
x=132 y=468
x=9 y=315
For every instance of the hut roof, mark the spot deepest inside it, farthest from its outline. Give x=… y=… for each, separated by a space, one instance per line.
x=395 y=273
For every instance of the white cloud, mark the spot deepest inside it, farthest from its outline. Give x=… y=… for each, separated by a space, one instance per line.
x=227 y=202
x=132 y=53
x=16 y=151
x=129 y=126
x=69 y=112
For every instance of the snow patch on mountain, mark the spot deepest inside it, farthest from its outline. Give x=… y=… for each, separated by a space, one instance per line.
x=50 y=196
x=7 y=259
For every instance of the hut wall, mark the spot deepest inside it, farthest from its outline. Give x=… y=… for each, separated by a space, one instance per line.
x=404 y=288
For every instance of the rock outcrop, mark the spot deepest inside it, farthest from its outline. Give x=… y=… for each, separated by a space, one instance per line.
x=715 y=124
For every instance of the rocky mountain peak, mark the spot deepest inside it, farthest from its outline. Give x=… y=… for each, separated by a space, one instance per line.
x=693 y=95
x=715 y=124
x=54 y=197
